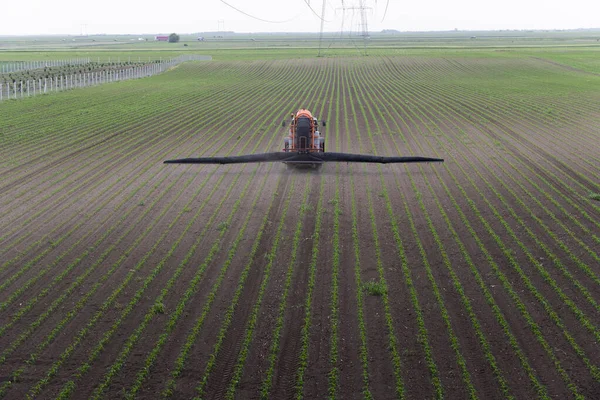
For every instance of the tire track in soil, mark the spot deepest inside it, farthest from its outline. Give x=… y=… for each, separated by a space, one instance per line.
x=220 y=378
x=319 y=346
x=258 y=361
x=284 y=377
x=350 y=365
x=381 y=372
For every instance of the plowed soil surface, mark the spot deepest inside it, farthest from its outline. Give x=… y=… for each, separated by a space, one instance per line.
x=121 y=276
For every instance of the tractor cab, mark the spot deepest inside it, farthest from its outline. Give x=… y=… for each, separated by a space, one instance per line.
x=303 y=134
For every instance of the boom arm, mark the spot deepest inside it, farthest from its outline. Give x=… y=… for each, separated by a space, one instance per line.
x=316 y=157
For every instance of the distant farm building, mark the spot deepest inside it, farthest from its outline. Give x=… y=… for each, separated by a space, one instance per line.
x=201 y=38
x=162 y=38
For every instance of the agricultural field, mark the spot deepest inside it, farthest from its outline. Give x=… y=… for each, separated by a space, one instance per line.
x=123 y=277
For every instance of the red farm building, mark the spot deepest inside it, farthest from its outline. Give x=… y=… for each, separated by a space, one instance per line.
x=162 y=38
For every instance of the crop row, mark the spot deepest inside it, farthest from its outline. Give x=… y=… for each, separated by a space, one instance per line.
x=498 y=216
x=257 y=144
x=474 y=278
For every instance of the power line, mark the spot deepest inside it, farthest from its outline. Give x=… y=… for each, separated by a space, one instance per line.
x=314 y=12
x=257 y=18
x=322 y=24
x=385 y=11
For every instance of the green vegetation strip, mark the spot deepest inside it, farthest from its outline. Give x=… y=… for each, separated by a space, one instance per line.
x=334 y=373
x=363 y=350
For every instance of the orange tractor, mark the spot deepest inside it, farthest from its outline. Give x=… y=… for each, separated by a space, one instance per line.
x=304 y=145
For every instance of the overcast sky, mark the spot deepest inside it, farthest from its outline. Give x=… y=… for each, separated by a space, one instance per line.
x=186 y=16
